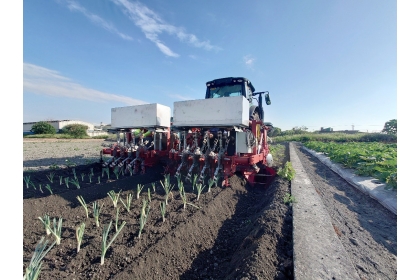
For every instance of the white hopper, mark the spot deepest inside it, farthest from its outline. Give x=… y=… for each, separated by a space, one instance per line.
x=224 y=111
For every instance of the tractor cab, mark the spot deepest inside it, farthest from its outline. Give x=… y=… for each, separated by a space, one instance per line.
x=229 y=87
x=239 y=86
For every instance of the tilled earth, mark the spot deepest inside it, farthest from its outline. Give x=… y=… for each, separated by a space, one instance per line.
x=238 y=232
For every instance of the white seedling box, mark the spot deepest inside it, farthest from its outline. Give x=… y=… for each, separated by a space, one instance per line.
x=139 y=116
x=224 y=111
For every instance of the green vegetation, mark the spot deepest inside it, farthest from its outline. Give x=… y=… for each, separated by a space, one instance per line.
x=337 y=137
x=104 y=245
x=64 y=136
x=390 y=127
x=80 y=230
x=378 y=160
x=83 y=203
x=34 y=268
x=43 y=128
x=287 y=172
x=288 y=198
x=143 y=215
x=75 y=130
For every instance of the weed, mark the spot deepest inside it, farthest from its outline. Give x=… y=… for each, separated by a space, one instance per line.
x=287 y=172
x=288 y=199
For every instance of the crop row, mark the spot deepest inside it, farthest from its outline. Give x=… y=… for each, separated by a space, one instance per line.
x=375 y=159
x=54 y=226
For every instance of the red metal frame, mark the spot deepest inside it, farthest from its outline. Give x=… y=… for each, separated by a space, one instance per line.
x=246 y=163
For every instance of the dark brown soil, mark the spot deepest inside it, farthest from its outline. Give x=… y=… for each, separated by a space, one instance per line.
x=239 y=232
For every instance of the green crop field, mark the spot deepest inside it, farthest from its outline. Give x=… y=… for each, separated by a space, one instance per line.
x=378 y=160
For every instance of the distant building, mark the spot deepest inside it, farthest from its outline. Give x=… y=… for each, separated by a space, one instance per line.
x=328 y=129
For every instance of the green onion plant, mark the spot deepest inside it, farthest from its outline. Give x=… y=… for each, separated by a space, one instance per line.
x=200 y=188
x=163 y=210
x=34 y=268
x=104 y=245
x=27 y=180
x=211 y=183
x=143 y=215
x=106 y=170
x=167 y=187
x=83 y=176
x=82 y=201
x=60 y=179
x=51 y=177
x=194 y=182
x=75 y=182
x=66 y=180
x=48 y=187
x=80 y=230
x=46 y=222
x=116 y=218
x=117 y=172
x=128 y=200
x=96 y=212
x=114 y=197
x=139 y=189
x=56 y=229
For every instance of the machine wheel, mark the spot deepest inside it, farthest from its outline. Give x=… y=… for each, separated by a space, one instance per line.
x=253 y=113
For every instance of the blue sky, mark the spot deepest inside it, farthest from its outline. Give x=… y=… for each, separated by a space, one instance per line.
x=325 y=63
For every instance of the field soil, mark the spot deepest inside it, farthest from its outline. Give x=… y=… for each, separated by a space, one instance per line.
x=238 y=232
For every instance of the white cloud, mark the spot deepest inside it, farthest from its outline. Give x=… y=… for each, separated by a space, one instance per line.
x=152 y=25
x=249 y=61
x=180 y=97
x=74 y=6
x=40 y=80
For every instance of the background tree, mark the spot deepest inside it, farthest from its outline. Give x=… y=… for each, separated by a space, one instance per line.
x=275 y=132
x=75 y=130
x=43 y=128
x=390 y=127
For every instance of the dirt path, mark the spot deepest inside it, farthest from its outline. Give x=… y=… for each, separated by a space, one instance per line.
x=367 y=230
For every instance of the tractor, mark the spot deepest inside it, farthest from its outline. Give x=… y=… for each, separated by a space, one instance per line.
x=208 y=139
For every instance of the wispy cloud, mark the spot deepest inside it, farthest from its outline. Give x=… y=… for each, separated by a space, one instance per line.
x=74 y=6
x=40 y=80
x=249 y=61
x=179 y=97
x=153 y=25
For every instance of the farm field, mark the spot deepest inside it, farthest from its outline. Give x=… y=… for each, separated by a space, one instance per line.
x=236 y=232
x=375 y=159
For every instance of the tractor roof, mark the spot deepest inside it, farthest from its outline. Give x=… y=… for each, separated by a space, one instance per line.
x=228 y=80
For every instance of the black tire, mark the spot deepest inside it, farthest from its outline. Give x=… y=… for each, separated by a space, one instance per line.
x=253 y=113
